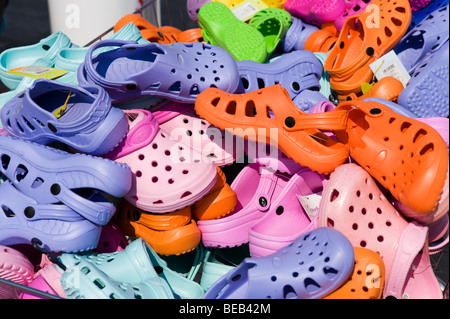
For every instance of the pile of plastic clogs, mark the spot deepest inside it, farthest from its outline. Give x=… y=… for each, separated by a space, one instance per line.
x=282 y=149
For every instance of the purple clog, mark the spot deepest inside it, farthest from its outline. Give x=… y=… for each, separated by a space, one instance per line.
x=176 y=71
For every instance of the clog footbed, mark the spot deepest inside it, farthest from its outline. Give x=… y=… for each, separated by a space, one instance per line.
x=310 y=267
x=409 y=159
x=426 y=93
x=167 y=175
x=363 y=214
x=273 y=24
x=80 y=117
x=360 y=43
x=222 y=28
x=176 y=71
x=259 y=111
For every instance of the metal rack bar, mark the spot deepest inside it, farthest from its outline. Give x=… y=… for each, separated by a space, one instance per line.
x=15 y=286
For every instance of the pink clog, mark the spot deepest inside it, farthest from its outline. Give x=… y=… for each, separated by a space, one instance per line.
x=316 y=11
x=14 y=267
x=47 y=280
x=418 y=4
x=353 y=7
x=256 y=187
x=167 y=175
x=270 y=157
x=353 y=204
x=183 y=125
x=292 y=213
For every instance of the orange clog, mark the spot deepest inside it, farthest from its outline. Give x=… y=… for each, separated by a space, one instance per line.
x=191 y=35
x=320 y=41
x=387 y=88
x=407 y=157
x=269 y=116
x=330 y=27
x=220 y=201
x=163 y=35
x=364 y=38
x=172 y=233
x=367 y=280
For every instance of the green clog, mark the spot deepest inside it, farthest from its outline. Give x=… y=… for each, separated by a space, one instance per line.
x=222 y=28
x=273 y=24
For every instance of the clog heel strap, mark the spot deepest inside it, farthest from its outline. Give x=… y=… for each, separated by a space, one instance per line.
x=298 y=137
x=26 y=220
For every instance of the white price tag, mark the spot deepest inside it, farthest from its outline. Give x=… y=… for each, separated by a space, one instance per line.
x=310 y=204
x=247 y=9
x=390 y=65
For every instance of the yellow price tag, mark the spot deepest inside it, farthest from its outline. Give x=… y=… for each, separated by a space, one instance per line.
x=365 y=87
x=38 y=72
x=61 y=110
x=245 y=10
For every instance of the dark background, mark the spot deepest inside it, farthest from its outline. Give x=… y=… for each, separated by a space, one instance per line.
x=28 y=22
